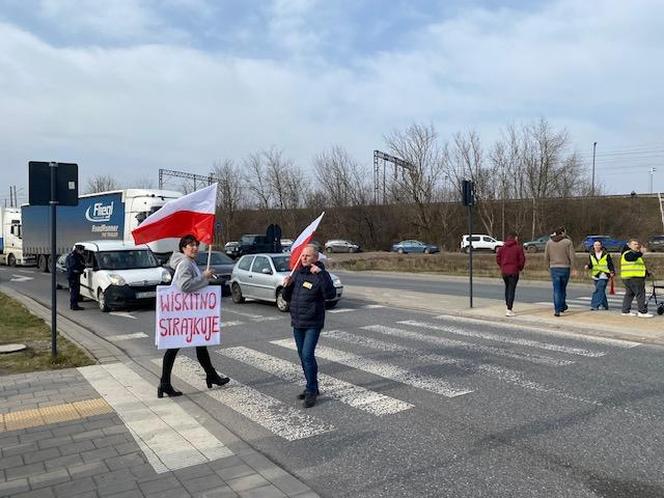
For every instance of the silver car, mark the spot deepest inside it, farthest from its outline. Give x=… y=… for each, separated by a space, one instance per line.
x=259 y=276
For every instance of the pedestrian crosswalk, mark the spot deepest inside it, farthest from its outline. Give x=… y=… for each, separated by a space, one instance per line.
x=583 y=302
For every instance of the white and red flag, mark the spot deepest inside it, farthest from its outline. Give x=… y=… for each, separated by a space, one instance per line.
x=302 y=240
x=192 y=214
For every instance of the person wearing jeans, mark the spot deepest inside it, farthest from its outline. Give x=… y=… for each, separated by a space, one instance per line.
x=306 y=290
x=601 y=270
x=559 y=256
x=511 y=259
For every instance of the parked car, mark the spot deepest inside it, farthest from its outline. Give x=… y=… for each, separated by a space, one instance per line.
x=406 y=246
x=537 y=244
x=260 y=276
x=611 y=244
x=339 y=245
x=232 y=249
x=286 y=245
x=221 y=265
x=116 y=273
x=656 y=243
x=481 y=242
x=253 y=243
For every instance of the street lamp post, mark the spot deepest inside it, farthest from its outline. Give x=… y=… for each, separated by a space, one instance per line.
x=652 y=179
x=592 y=190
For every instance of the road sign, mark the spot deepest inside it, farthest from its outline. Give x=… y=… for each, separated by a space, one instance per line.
x=40 y=190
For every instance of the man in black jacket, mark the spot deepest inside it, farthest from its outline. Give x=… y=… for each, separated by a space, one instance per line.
x=306 y=290
x=75 y=267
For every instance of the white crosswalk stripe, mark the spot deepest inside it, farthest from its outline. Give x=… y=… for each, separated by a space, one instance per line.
x=352 y=395
x=385 y=370
x=266 y=411
x=443 y=341
x=126 y=337
x=230 y=323
x=372 y=306
x=341 y=310
x=506 y=340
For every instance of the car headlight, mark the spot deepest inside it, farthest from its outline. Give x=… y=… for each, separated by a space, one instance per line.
x=166 y=276
x=336 y=281
x=116 y=279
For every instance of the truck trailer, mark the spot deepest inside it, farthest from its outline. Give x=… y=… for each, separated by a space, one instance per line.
x=101 y=216
x=11 y=243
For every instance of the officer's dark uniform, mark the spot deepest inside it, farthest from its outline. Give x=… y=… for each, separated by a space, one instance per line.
x=75 y=267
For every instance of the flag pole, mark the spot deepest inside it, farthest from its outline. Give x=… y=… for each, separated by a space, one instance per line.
x=209 y=255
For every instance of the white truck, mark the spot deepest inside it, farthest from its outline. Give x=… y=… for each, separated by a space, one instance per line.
x=11 y=242
x=101 y=216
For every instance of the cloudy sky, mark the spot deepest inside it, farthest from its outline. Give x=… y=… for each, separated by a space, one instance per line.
x=124 y=87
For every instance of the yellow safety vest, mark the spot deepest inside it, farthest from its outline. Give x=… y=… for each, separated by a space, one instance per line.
x=631 y=269
x=599 y=266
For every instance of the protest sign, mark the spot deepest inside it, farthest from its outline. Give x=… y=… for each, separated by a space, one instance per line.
x=187 y=319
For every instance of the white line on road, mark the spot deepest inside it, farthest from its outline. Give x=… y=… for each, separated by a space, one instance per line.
x=270 y=413
x=170 y=438
x=123 y=314
x=242 y=313
x=385 y=370
x=20 y=278
x=341 y=310
x=230 y=324
x=372 y=306
x=505 y=340
x=127 y=337
x=355 y=396
x=620 y=343
x=443 y=341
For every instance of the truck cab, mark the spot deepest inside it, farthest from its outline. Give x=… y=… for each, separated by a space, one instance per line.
x=11 y=238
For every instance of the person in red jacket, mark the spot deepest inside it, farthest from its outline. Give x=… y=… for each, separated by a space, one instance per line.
x=511 y=259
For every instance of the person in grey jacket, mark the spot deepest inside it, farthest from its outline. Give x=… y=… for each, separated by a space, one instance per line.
x=188 y=278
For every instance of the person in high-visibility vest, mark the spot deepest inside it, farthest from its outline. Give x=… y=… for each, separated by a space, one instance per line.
x=600 y=266
x=633 y=272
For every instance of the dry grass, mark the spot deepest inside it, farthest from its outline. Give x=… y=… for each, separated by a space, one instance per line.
x=449 y=263
x=17 y=325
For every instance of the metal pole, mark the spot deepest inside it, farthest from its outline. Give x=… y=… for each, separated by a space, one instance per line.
x=54 y=307
x=652 y=179
x=470 y=253
x=592 y=191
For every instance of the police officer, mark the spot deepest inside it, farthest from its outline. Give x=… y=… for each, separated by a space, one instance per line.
x=75 y=267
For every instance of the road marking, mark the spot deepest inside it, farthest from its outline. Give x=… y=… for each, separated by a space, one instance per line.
x=443 y=341
x=385 y=370
x=342 y=310
x=36 y=417
x=127 y=337
x=268 y=318
x=20 y=278
x=270 y=413
x=169 y=437
x=123 y=314
x=350 y=394
x=372 y=306
x=505 y=340
x=230 y=324
x=620 y=343
x=242 y=313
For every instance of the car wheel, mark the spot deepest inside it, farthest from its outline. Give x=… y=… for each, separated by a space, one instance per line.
x=427 y=251
x=42 y=263
x=331 y=304
x=236 y=293
x=282 y=304
x=531 y=249
x=101 y=301
x=350 y=249
x=400 y=250
x=11 y=260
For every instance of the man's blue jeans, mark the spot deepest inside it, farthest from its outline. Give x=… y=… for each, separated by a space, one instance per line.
x=599 y=296
x=559 y=277
x=306 y=340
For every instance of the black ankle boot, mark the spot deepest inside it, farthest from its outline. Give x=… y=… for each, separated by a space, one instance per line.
x=168 y=390
x=216 y=380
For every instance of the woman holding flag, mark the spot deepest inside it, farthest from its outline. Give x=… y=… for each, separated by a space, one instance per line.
x=192 y=218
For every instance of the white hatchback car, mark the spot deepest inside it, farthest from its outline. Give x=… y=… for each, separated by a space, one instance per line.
x=117 y=274
x=481 y=242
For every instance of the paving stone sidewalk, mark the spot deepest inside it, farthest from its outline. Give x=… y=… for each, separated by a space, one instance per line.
x=59 y=438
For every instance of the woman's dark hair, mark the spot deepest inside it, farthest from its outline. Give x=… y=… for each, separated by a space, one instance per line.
x=186 y=240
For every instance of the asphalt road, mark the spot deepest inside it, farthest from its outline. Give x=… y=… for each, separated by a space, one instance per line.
x=423 y=405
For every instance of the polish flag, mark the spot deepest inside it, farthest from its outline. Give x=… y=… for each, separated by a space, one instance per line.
x=192 y=214
x=301 y=242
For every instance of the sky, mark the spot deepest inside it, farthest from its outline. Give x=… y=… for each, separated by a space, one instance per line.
x=125 y=87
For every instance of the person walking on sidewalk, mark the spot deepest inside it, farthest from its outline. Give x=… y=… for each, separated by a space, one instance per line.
x=633 y=272
x=601 y=270
x=75 y=268
x=511 y=259
x=559 y=256
x=188 y=278
x=307 y=289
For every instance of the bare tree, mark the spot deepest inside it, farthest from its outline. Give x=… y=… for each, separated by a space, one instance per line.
x=230 y=186
x=341 y=179
x=418 y=146
x=257 y=180
x=101 y=183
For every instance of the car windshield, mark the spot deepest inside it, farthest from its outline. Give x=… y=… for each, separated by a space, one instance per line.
x=281 y=263
x=216 y=258
x=126 y=260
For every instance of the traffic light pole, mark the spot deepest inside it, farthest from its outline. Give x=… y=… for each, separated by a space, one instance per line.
x=54 y=302
x=470 y=253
